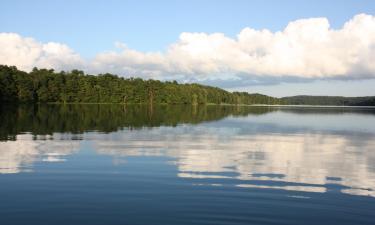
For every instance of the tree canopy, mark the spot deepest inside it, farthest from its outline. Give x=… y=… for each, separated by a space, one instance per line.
x=46 y=85
x=330 y=100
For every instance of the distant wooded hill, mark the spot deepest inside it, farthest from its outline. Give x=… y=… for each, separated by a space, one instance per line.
x=329 y=100
x=48 y=86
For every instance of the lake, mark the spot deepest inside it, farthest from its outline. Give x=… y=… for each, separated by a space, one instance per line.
x=116 y=164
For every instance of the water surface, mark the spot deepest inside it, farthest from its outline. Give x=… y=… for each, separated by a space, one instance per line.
x=113 y=164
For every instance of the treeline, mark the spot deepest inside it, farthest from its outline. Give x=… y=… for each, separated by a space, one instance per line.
x=43 y=85
x=330 y=100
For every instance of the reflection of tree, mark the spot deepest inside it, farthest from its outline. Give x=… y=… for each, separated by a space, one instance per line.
x=329 y=110
x=78 y=118
x=271 y=151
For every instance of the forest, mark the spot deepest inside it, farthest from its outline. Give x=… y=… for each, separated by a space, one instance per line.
x=329 y=100
x=48 y=86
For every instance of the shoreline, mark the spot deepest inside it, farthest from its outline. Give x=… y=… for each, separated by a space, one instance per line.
x=181 y=104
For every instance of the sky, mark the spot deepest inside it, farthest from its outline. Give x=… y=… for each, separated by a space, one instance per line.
x=280 y=48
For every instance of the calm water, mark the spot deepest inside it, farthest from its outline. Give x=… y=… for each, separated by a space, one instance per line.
x=110 y=164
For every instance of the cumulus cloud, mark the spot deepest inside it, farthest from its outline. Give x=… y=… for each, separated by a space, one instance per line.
x=306 y=49
x=26 y=53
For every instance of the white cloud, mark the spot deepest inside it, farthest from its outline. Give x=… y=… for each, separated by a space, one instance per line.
x=26 y=53
x=305 y=49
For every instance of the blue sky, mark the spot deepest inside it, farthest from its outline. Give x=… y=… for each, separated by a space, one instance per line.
x=92 y=27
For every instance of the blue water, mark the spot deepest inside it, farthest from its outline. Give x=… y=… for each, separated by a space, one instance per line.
x=241 y=166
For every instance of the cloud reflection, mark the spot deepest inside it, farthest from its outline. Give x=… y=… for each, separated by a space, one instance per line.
x=18 y=156
x=254 y=152
x=312 y=162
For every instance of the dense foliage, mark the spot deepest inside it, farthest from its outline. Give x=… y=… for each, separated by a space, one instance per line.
x=42 y=85
x=329 y=100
